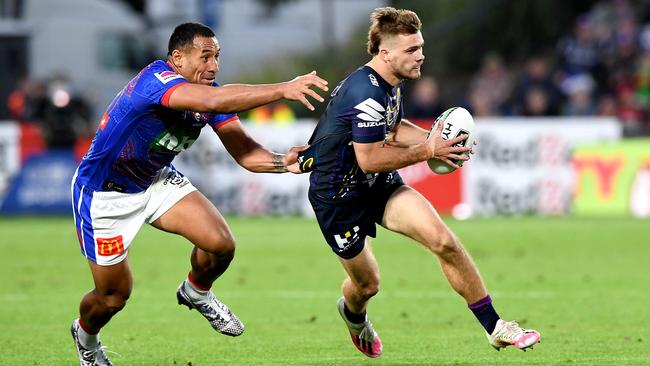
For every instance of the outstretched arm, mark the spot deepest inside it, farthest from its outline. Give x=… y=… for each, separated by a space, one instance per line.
x=234 y=98
x=254 y=157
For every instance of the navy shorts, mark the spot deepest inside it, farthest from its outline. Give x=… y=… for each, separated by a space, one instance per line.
x=345 y=224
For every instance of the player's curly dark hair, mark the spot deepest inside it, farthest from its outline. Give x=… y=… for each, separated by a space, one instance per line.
x=389 y=21
x=183 y=35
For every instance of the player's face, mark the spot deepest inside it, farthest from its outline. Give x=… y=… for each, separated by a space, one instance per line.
x=405 y=55
x=203 y=61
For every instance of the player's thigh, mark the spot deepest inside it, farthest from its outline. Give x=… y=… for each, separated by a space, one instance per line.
x=362 y=269
x=107 y=223
x=197 y=219
x=409 y=213
x=114 y=280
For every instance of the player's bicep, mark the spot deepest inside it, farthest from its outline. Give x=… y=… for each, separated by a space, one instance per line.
x=366 y=152
x=191 y=97
x=220 y=119
x=368 y=131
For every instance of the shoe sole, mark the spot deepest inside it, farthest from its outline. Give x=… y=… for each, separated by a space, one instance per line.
x=499 y=347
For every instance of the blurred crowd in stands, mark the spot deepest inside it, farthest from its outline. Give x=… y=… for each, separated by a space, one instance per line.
x=61 y=113
x=601 y=69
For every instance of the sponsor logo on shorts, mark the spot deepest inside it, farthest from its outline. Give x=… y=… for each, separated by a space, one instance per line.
x=349 y=238
x=110 y=246
x=167 y=76
x=175 y=179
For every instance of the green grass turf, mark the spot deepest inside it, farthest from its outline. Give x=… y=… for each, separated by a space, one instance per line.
x=583 y=283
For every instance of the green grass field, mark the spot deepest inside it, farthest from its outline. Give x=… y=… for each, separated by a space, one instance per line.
x=584 y=284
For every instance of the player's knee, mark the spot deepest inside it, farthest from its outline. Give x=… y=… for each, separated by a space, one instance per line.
x=369 y=288
x=445 y=244
x=222 y=244
x=116 y=302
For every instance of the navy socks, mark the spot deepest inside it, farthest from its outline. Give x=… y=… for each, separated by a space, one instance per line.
x=485 y=313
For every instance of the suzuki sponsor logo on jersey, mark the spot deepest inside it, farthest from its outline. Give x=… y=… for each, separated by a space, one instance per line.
x=167 y=76
x=372 y=113
x=370 y=124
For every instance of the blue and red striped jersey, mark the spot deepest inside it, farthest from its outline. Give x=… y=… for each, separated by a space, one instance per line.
x=140 y=134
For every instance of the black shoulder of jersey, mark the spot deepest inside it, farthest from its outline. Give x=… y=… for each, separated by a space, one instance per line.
x=366 y=82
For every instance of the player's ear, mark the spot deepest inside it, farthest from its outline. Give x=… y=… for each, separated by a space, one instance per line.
x=177 y=58
x=384 y=54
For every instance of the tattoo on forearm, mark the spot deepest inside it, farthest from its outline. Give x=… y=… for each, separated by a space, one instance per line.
x=278 y=164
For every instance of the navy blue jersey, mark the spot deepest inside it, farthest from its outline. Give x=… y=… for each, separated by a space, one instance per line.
x=139 y=134
x=364 y=108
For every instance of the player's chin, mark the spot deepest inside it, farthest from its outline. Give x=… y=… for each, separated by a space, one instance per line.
x=207 y=81
x=414 y=74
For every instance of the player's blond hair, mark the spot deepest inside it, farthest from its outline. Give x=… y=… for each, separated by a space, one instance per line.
x=389 y=21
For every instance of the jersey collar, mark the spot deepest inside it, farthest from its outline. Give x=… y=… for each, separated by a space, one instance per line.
x=384 y=84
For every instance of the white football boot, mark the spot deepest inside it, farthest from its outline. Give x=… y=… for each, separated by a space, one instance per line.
x=216 y=312
x=88 y=357
x=511 y=334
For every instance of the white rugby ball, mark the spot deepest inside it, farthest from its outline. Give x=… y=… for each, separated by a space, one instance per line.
x=456 y=121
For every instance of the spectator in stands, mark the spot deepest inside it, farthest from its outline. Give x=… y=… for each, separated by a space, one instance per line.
x=17 y=101
x=607 y=106
x=424 y=102
x=579 y=52
x=536 y=103
x=579 y=90
x=480 y=104
x=536 y=84
x=493 y=82
x=27 y=102
x=66 y=116
x=642 y=76
x=629 y=112
x=37 y=101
